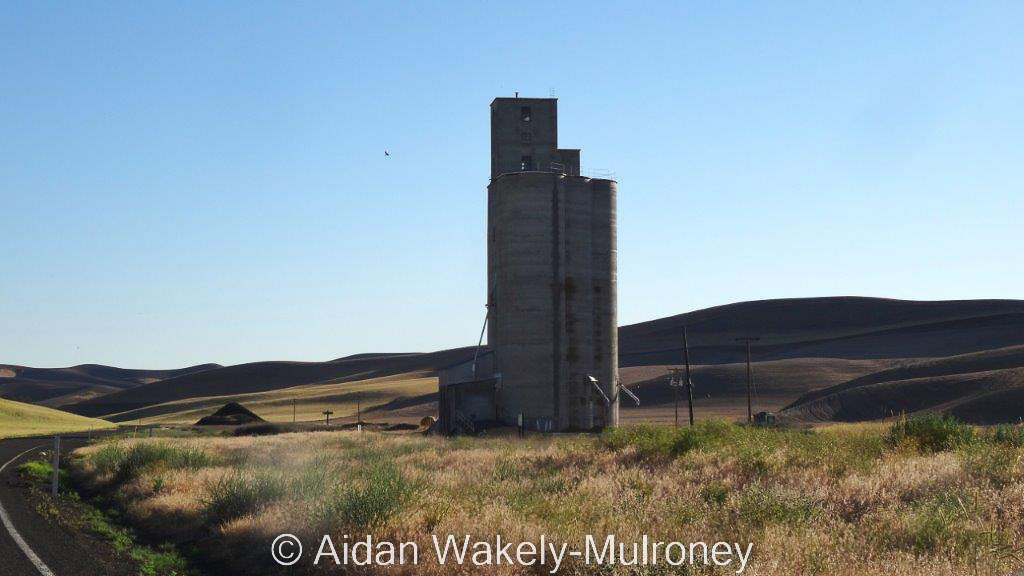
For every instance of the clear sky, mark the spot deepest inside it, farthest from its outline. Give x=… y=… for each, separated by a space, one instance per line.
x=185 y=183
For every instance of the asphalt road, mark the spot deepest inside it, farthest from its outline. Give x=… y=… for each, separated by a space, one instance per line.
x=56 y=548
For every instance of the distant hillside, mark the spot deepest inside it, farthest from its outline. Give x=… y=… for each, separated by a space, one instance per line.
x=840 y=327
x=838 y=332
x=982 y=387
x=265 y=376
x=18 y=419
x=56 y=387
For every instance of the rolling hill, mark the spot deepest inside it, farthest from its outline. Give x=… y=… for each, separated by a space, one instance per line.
x=805 y=345
x=403 y=397
x=56 y=387
x=259 y=377
x=982 y=387
x=18 y=419
x=838 y=327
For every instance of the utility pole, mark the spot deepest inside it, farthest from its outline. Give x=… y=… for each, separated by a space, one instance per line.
x=750 y=377
x=359 y=410
x=689 y=383
x=293 y=410
x=328 y=413
x=54 y=485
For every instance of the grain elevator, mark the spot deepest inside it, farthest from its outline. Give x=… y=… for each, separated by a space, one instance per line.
x=551 y=361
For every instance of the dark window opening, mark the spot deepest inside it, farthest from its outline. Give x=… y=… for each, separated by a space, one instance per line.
x=524 y=113
x=526 y=163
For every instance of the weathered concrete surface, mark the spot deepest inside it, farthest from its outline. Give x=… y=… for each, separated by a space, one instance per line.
x=551 y=277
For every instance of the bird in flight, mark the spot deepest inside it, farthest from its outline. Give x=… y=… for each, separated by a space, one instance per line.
x=386 y=153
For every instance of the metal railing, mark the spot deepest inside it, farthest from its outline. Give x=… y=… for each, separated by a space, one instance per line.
x=557 y=168
x=599 y=173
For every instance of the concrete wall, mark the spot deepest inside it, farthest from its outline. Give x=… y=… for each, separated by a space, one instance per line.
x=570 y=160
x=552 y=286
x=512 y=137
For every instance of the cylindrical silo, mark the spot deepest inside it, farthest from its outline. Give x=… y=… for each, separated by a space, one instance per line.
x=552 y=296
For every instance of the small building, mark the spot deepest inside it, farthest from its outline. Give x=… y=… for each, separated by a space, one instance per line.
x=765 y=419
x=467 y=395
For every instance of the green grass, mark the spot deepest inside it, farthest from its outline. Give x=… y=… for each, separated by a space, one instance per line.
x=18 y=419
x=761 y=506
x=163 y=560
x=234 y=496
x=125 y=462
x=38 y=471
x=714 y=493
x=931 y=432
x=1007 y=434
x=375 y=493
x=759 y=451
x=844 y=500
x=661 y=442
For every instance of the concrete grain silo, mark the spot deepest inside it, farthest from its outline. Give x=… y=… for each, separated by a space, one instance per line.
x=552 y=359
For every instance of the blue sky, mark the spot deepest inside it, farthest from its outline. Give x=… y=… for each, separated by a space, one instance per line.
x=185 y=183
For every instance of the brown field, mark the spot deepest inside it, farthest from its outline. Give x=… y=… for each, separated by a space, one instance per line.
x=720 y=394
x=847 y=500
x=982 y=387
x=373 y=396
x=806 y=344
x=815 y=390
x=58 y=387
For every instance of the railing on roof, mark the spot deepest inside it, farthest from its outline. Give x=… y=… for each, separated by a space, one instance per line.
x=599 y=173
x=557 y=168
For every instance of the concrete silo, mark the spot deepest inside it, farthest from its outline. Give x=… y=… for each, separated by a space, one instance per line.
x=552 y=358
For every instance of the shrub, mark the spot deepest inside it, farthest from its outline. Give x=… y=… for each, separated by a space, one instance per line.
x=940 y=523
x=931 y=432
x=126 y=462
x=1008 y=434
x=373 y=496
x=261 y=429
x=762 y=506
x=994 y=463
x=714 y=493
x=234 y=496
x=664 y=442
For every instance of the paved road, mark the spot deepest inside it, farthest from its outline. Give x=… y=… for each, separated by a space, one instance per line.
x=56 y=549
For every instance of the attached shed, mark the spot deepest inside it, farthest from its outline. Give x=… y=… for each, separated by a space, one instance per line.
x=467 y=398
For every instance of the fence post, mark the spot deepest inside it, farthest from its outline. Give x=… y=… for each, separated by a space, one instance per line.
x=56 y=466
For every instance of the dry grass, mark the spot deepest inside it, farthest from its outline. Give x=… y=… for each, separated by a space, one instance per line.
x=847 y=500
x=18 y=419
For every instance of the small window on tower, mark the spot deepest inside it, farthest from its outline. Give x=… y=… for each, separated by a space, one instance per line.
x=526 y=163
x=524 y=113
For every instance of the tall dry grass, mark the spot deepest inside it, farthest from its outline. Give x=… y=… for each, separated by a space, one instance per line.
x=848 y=500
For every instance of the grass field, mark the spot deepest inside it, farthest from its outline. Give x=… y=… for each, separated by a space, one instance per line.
x=922 y=497
x=17 y=419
